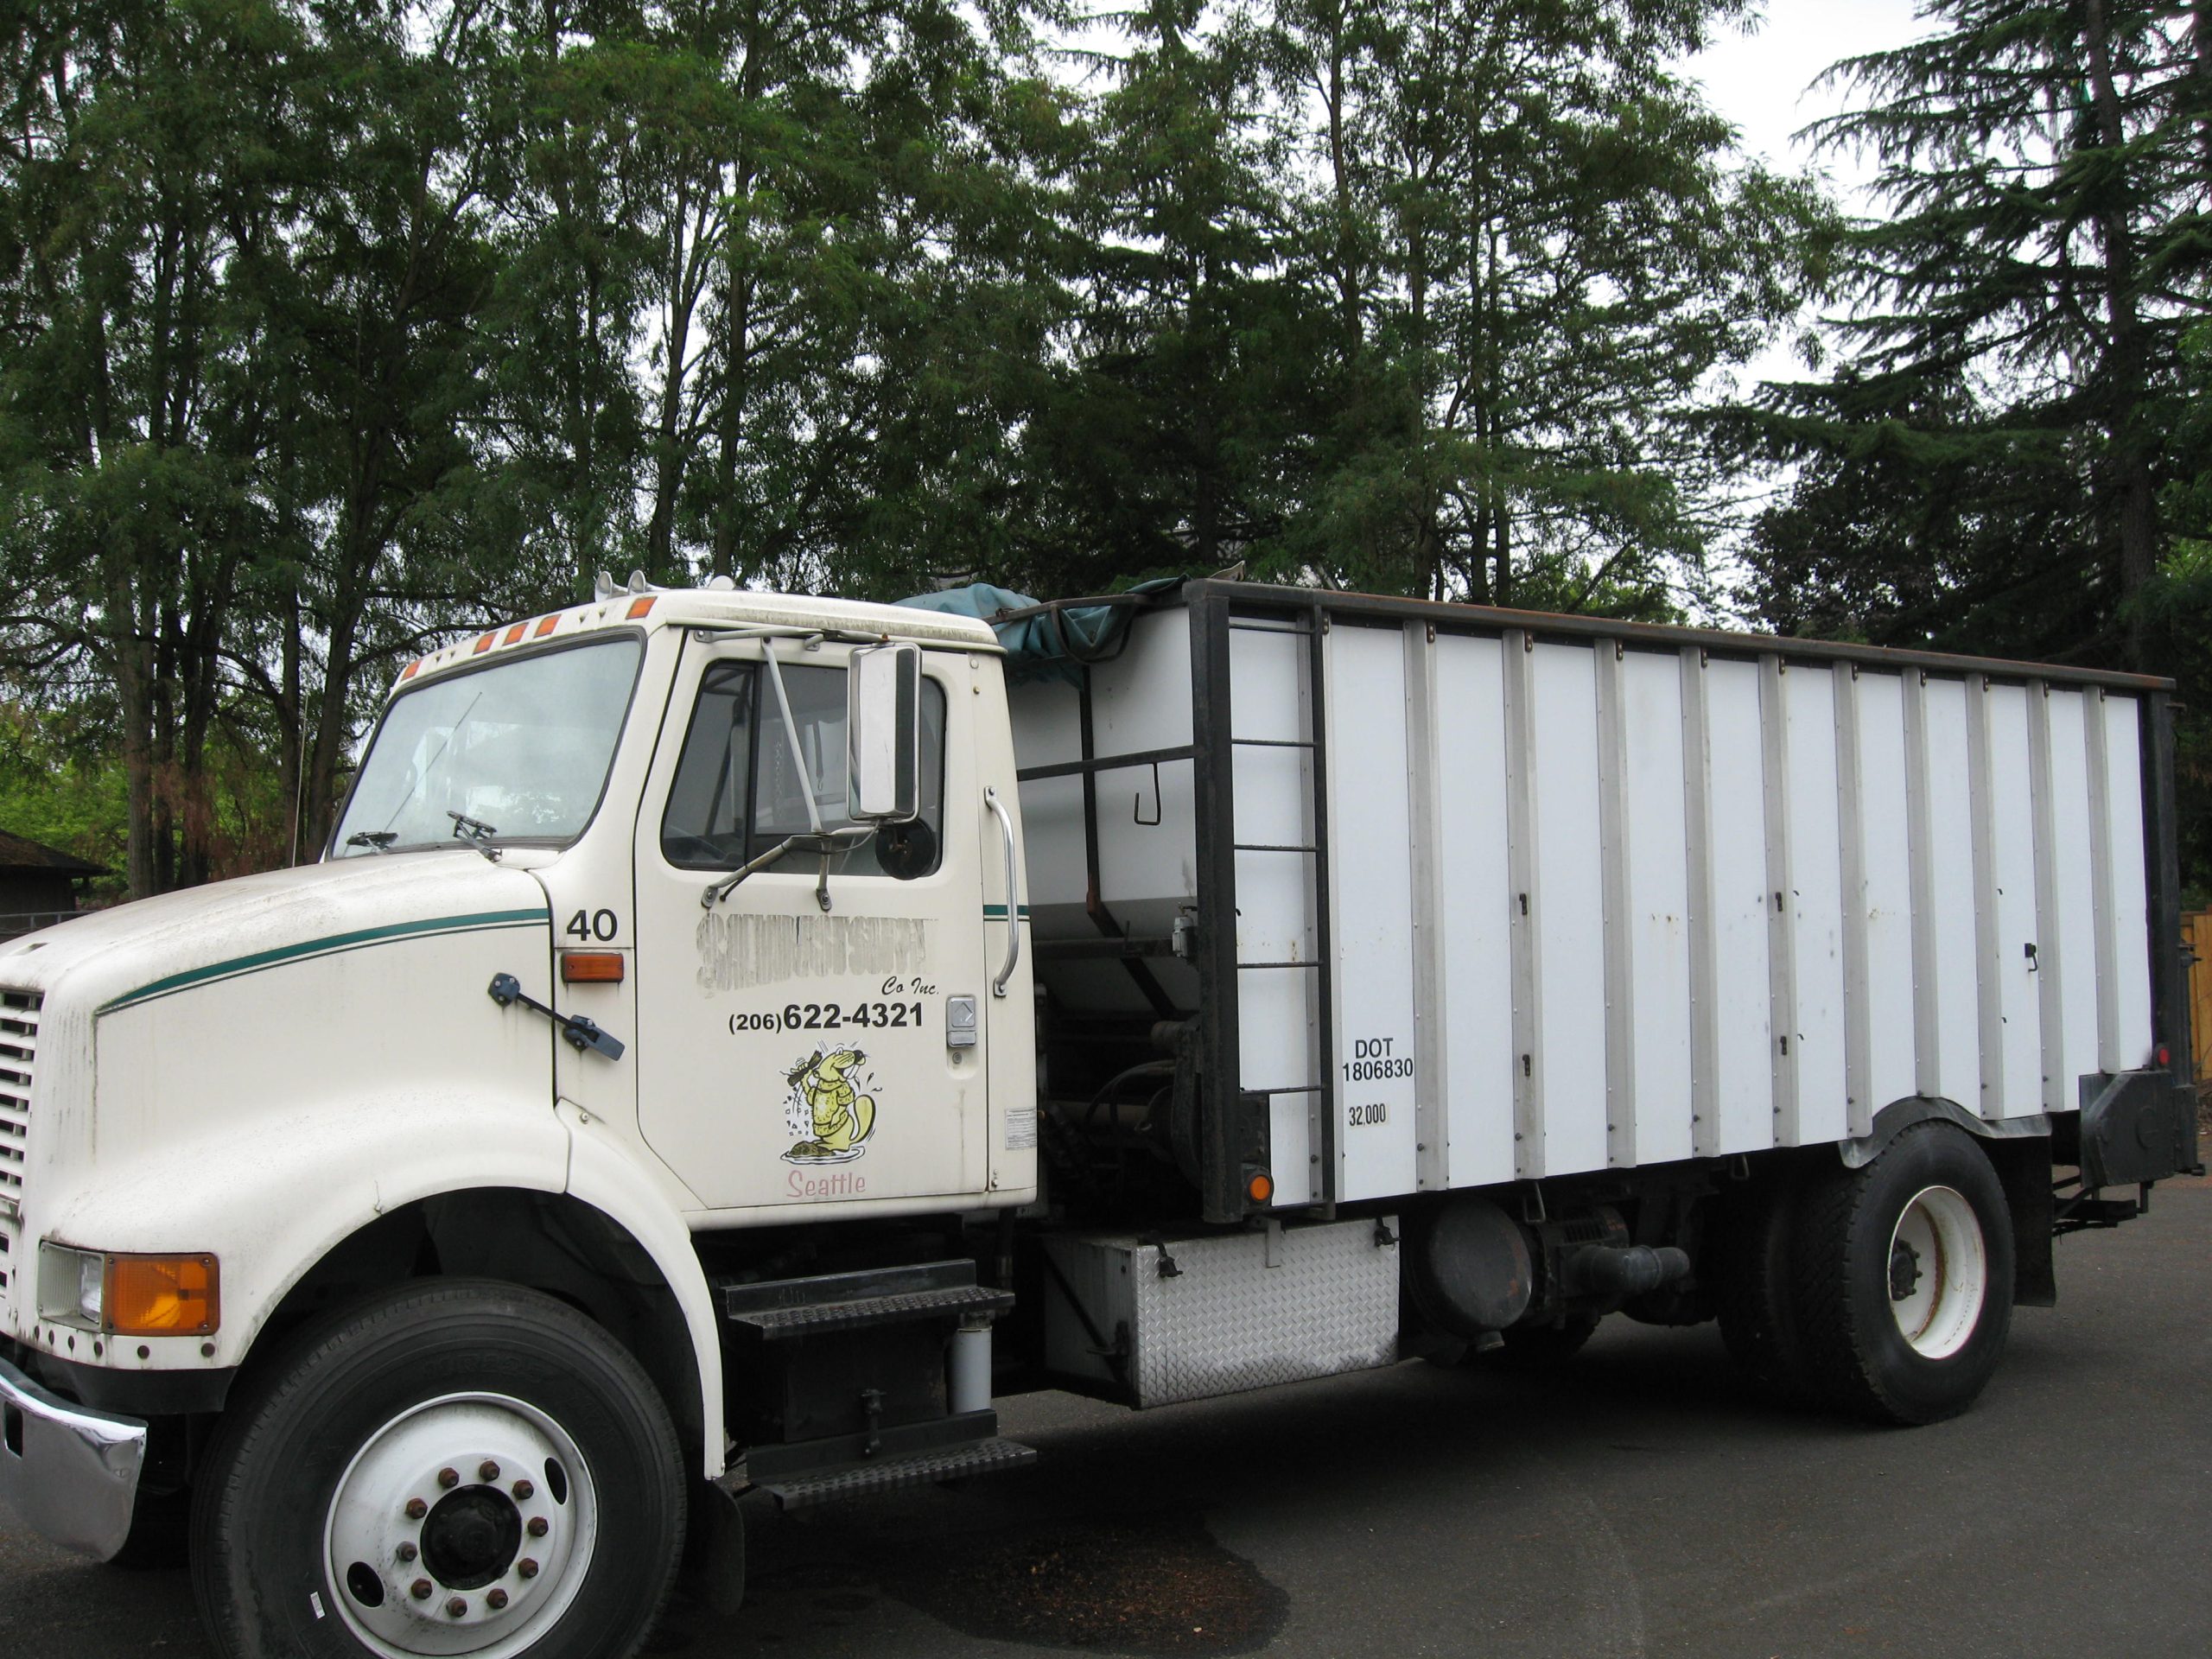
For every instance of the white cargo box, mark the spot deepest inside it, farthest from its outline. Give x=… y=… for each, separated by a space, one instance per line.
x=1519 y=896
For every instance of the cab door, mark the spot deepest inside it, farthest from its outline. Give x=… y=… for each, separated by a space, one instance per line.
x=790 y=1054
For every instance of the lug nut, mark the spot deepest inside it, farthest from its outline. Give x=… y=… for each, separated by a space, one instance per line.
x=523 y=1491
x=538 y=1527
x=408 y=1551
x=449 y=1478
x=420 y=1589
x=457 y=1608
x=487 y=1471
x=417 y=1508
x=496 y=1600
x=527 y=1567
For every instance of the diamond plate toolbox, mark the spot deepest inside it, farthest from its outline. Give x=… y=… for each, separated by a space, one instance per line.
x=1191 y=1318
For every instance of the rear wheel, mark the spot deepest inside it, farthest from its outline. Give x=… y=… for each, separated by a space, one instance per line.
x=457 y=1467
x=1747 y=1258
x=1903 y=1275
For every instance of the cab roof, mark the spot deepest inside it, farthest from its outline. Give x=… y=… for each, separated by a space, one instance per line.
x=712 y=607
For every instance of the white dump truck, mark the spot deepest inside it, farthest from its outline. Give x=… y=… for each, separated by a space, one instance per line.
x=731 y=1038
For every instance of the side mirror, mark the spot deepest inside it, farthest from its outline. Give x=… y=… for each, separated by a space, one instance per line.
x=883 y=734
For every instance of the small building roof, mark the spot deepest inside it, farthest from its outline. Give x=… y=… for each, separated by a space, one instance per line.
x=20 y=853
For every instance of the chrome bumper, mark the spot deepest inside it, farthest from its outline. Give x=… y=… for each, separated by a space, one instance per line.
x=72 y=1474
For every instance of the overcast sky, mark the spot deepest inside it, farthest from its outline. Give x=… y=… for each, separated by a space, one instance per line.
x=1761 y=80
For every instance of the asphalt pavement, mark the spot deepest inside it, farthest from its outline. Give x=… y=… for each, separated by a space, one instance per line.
x=1644 y=1502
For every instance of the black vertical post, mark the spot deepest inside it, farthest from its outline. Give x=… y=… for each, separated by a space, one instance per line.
x=1325 y=1103
x=1221 y=1130
x=2162 y=873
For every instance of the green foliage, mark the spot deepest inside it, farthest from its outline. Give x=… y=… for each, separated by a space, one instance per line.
x=2013 y=419
x=329 y=329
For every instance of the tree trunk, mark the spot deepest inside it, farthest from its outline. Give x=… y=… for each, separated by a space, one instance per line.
x=2128 y=456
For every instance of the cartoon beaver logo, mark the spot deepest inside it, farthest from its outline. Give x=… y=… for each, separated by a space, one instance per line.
x=829 y=1109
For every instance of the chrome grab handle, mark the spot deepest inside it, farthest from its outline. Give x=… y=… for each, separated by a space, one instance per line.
x=1013 y=891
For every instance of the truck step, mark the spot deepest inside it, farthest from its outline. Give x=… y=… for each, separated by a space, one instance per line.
x=812 y=1318
x=990 y=1457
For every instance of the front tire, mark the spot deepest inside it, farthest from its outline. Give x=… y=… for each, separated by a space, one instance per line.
x=456 y=1466
x=1902 y=1275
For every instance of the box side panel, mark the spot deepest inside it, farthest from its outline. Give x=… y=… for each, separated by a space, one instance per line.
x=1476 y=990
x=1371 y=871
x=2128 y=906
x=1884 y=901
x=1957 y=1061
x=1658 y=902
x=1567 y=908
x=2019 y=1066
x=1276 y=1007
x=2070 y=1045
x=1744 y=1031
x=1816 y=1038
x=1142 y=700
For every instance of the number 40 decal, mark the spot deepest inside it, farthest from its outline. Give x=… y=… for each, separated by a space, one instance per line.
x=601 y=924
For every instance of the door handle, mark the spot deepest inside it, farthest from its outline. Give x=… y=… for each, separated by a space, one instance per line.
x=1013 y=891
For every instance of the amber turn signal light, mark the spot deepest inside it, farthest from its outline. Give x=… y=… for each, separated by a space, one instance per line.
x=591 y=967
x=1259 y=1187
x=639 y=608
x=162 y=1296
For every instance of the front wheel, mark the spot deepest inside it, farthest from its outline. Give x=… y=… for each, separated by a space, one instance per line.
x=457 y=1467
x=1904 y=1279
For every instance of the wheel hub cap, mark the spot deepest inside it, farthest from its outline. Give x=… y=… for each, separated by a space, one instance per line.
x=471 y=1537
x=1939 y=1272
x=462 y=1526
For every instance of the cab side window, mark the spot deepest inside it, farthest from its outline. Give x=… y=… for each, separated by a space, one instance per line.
x=739 y=789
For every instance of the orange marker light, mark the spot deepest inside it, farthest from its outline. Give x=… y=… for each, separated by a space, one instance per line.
x=408 y=673
x=162 y=1296
x=591 y=967
x=547 y=626
x=1260 y=1187
x=515 y=633
x=485 y=644
x=639 y=608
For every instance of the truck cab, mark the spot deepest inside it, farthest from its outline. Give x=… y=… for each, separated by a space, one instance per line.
x=598 y=966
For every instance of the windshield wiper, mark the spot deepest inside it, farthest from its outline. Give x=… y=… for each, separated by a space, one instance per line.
x=379 y=839
x=474 y=828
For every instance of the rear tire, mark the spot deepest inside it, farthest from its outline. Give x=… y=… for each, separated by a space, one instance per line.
x=1904 y=1279
x=1747 y=1258
x=454 y=1466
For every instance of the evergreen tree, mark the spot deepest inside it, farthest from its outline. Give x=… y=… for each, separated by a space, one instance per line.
x=1534 y=247
x=1988 y=466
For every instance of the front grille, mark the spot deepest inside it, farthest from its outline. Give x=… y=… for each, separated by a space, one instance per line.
x=19 y=1012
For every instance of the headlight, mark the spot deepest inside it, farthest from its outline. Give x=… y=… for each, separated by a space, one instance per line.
x=129 y=1295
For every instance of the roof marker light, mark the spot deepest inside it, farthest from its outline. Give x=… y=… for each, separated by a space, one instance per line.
x=515 y=633
x=485 y=644
x=640 y=606
x=547 y=626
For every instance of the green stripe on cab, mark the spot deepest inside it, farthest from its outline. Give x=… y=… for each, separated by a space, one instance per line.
x=330 y=945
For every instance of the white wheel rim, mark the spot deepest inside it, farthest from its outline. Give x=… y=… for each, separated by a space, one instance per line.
x=490 y=1571
x=1940 y=1264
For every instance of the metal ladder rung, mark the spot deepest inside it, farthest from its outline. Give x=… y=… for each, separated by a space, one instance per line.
x=1270 y=847
x=1271 y=742
x=1243 y=967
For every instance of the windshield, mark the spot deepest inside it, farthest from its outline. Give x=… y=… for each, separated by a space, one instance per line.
x=516 y=752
